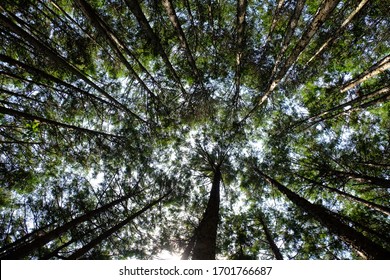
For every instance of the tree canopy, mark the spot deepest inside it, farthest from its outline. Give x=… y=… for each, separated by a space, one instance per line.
x=210 y=129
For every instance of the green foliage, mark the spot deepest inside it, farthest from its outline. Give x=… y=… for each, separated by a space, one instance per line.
x=96 y=108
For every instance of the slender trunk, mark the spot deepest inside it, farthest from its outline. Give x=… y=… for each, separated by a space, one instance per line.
x=17 y=114
x=57 y=250
x=35 y=71
x=292 y=24
x=374 y=70
x=357 y=240
x=381 y=94
x=168 y=5
x=240 y=42
x=381 y=182
x=61 y=61
x=82 y=251
x=205 y=244
x=322 y=14
x=372 y=205
x=24 y=239
x=339 y=31
x=374 y=164
x=275 y=250
x=23 y=251
x=275 y=18
x=135 y=8
x=114 y=42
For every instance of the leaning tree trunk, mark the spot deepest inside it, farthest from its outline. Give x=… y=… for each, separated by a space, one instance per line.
x=350 y=197
x=206 y=238
x=355 y=239
x=83 y=250
x=275 y=250
x=20 y=251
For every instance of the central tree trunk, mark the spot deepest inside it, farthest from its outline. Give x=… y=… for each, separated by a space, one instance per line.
x=207 y=231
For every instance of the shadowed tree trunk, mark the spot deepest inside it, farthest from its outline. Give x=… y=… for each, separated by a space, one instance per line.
x=355 y=239
x=18 y=114
x=205 y=243
x=82 y=251
x=275 y=250
x=20 y=252
x=61 y=61
x=372 y=205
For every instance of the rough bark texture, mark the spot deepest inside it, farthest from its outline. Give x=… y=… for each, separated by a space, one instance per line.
x=205 y=245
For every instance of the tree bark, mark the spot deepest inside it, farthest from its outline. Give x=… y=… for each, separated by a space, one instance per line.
x=82 y=251
x=205 y=244
x=23 y=251
x=380 y=182
x=355 y=239
x=375 y=97
x=292 y=24
x=168 y=5
x=240 y=42
x=322 y=14
x=114 y=42
x=47 y=51
x=339 y=31
x=372 y=205
x=35 y=71
x=15 y=113
x=374 y=70
x=275 y=250
x=154 y=39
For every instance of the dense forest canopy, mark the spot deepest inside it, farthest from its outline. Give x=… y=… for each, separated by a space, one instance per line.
x=210 y=129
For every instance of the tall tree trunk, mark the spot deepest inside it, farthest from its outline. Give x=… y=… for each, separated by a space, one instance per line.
x=61 y=61
x=205 y=244
x=240 y=43
x=372 y=205
x=114 y=42
x=360 y=178
x=374 y=70
x=379 y=95
x=322 y=14
x=35 y=71
x=292 y=24
x=275 y=250
x=18 y=114
x=135 y=8
x=22 y=251
x=339 y=31
x=357 y=240
x=168 y=5
x=82 y=251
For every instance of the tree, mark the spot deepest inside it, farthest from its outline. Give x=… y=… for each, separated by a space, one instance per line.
x=211 y=129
